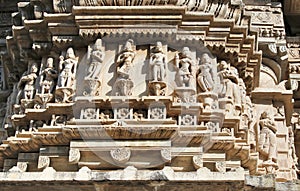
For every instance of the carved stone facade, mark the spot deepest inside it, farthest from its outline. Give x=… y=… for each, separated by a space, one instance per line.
x=195 y=92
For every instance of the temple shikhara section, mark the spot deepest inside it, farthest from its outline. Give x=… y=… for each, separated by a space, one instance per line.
x=149 y=95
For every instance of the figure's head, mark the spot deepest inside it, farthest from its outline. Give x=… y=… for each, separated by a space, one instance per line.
x=128 y=44
x=34 y=67
x=186 y=51
x=98 y=44
x=70 y=53
x=264 y=115
x=50 y=62
x=158 y=44
x=205 y=58
x=224 y=65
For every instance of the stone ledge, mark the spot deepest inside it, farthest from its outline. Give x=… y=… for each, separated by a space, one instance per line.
x=129 y=173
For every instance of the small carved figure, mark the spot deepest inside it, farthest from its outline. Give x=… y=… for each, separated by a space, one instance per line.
x=124 y=84
x=158 y=62
x=292 y=149
x=67 y=68
x=267 y=140
x=184 y=64
x=229 y=78
x=48 y=77
x=95 y=57
x=125 y=59
x=205 y=77
x=26 y=84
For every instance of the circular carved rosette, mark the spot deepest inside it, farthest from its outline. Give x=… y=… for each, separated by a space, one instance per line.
x=121 y=154
x=198 y=161
x=166 y=155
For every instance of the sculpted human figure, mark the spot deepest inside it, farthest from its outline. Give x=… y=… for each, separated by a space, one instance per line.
x=205 y=78
x=124 y=84
x=95 y=57
x=158 y=62
x=48 y=77
x=267 y=139
x=184 y=64
x=27 y=84
x=125 y=59
x=67 y=68
x=229 y=78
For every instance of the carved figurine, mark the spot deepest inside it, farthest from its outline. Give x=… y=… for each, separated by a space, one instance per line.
x=229 y=78
x=67 y=68
x=267 y=139
x=124 y=61
x=184 y=64
x=66 y=80
x=95 y=57
x=48 y=77
x=205 y=78
x=124 y=84
x=26 y=85
x=158 y=62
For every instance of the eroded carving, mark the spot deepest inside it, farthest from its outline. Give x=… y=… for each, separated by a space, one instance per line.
x=66 y=79
x=267 y=140
x=95 y=57
x=74 y=156
x=121 y=154
x=123 y=84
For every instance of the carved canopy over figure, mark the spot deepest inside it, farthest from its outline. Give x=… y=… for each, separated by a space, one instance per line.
x=267 y=139
x=67 y=68
x=184 y=63
x=229 y=78
x=26 y=85
x=158 y=62
x=125 y=59
x=48 y=77
x=206 y=76
x=95 y=56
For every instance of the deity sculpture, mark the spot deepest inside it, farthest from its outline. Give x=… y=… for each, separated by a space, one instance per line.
x=158 y=62
x=26 y=85
x=48 y=77
x=205 y=78
x=184 y=63
x=67 y=68
x=124 y=84
x=267 y=139
x=125 y=59
x=95 y=56
x=230 y=84
x=66 y=79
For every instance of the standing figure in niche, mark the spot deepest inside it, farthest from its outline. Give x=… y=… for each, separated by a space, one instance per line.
x=67 y=68
x=124 y=84
x=95 y=57
x=125 y=59
x=27 y=84
x=158 y=62
x=229 y=77
x=205 y=78
x=184 y=64
x=267 y=139
x=48 y=77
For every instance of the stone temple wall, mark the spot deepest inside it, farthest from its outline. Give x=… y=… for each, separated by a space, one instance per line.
x=149 y=94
